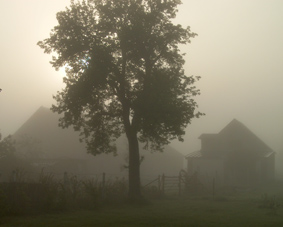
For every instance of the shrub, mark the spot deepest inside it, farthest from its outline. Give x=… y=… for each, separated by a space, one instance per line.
x=50 y=195
x=270 y=203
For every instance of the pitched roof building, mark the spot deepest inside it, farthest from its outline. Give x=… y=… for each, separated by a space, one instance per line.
x=234 y=156
x=60 y=147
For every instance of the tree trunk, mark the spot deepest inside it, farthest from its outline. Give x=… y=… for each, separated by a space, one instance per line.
x=134 y=167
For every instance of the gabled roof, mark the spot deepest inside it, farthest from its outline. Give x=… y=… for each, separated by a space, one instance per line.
x=208 y=135
x=56 y=142
x=234 y=137
x=237 y=132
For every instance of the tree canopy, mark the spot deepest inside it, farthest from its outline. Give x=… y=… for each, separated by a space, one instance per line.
x=124 y=74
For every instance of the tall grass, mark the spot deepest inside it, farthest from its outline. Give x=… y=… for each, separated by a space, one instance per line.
x=48 y=194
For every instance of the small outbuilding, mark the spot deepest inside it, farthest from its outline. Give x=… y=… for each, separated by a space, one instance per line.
x=235 y=156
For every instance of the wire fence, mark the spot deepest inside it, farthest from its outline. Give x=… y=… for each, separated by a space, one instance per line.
x=163 y=184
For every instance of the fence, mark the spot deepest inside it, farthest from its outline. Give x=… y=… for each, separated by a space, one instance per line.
x=20 y=175
x=177 y=185
x=170 y=184
x=163 y=184
x=20 y=195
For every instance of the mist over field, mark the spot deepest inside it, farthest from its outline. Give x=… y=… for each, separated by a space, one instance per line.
x=238 y=53
x=124 y=96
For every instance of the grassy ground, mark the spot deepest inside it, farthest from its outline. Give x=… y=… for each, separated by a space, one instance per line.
x=170 y=211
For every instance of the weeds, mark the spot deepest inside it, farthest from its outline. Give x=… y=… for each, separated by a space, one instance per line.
x=48 y=194
x=271 y=203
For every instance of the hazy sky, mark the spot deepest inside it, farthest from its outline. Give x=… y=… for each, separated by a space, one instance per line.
x=238 y=53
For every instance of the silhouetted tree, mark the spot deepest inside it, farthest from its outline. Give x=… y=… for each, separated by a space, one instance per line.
x=7 y=146
x=124 y=75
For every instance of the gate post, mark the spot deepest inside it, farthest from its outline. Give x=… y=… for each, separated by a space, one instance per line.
x=180 y=183
x=163 y=183
x=159 y=183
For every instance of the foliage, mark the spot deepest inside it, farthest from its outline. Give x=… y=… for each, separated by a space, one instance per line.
x=271 y=203
x=92 y=189
x=248 y=209
x=124 y=75
x=3 y=203
x=171 y=211
x=48 y=194
x=7 y=146
x=122 y=60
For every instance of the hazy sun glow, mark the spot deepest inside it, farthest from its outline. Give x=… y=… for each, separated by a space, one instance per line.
x=238 y=53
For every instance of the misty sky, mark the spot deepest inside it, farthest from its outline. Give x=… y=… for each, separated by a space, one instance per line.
x=238 y=53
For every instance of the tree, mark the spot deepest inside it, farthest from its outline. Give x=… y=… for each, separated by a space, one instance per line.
x=124 y=74
x=7 y=146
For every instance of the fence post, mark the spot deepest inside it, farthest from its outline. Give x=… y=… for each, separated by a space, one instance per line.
x=66 y=179
x=159 y=186
x=14 y=176
x=213 y=187
x=163 y=183
x=102 y=189
x=103 y=181
x=180 y=183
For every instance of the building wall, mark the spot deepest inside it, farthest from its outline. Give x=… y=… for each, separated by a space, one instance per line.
x=268 y=168
x=207 y=170
x=242 y=172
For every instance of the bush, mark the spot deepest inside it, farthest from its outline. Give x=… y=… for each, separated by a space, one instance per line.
x=270 y=203
x=50 y=195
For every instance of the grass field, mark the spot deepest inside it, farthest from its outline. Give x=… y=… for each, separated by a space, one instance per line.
x=170 y=211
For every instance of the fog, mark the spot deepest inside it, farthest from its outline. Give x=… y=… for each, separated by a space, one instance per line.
x=238 y=53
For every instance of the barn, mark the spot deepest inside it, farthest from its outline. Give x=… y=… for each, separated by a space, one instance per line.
x=234 y=156
x=59 y=150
